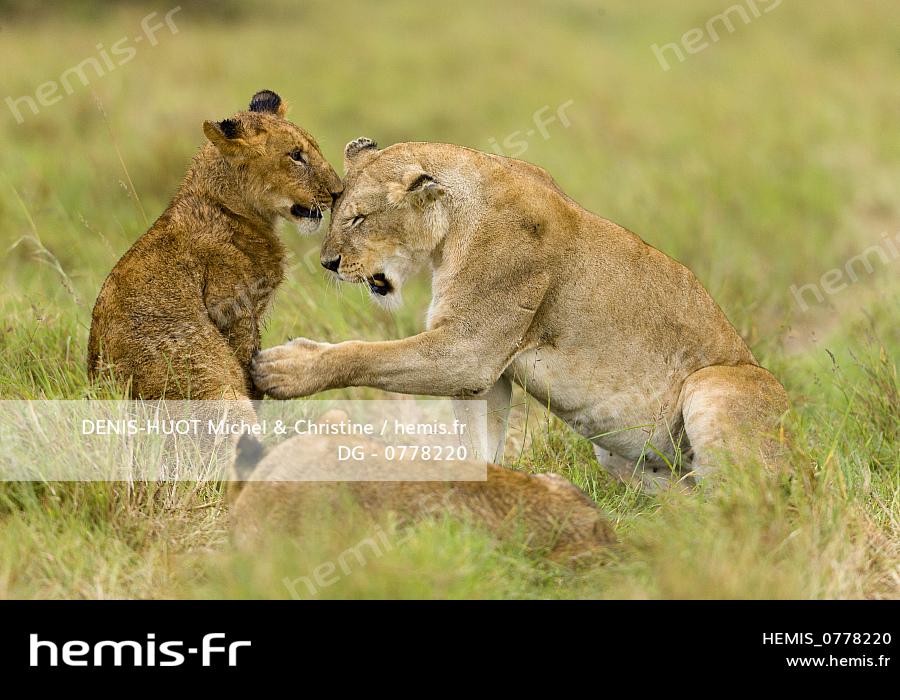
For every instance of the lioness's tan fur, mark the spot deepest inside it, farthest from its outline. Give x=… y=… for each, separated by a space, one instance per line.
x=621 y=341
x=179 y=315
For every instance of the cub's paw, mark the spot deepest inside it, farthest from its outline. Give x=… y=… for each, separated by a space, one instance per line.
x=290 y=370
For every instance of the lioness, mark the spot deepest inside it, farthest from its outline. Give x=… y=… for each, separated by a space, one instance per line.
x=619 y=340
x=178 y=317
x=547 y=511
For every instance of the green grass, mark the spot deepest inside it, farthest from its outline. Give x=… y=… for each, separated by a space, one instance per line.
x=762 y=162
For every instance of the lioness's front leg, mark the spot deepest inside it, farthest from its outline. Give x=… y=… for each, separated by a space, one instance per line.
x=436 y=362
x=497 y=402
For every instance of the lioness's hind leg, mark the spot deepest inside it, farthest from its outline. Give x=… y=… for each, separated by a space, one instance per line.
x=732 y=412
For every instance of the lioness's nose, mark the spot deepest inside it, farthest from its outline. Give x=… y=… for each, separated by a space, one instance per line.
x=332 y=264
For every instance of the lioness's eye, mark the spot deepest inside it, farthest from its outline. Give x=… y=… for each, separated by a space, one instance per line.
x=357 y=220
x=298 y=156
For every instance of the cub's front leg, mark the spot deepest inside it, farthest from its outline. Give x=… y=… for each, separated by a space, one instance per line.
x=235 y=312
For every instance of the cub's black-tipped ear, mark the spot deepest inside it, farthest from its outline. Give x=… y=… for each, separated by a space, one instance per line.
x=268 y=101
x=226 y=135
x=230 y=128
x=357 y=148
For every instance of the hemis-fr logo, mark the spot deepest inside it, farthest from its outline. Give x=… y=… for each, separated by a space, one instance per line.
x=213 y=650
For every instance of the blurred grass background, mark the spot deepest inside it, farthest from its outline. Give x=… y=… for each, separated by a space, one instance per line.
x=762 y=162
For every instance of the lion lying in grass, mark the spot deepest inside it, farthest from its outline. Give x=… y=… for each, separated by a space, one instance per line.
x=550 y=514
x=616 y=338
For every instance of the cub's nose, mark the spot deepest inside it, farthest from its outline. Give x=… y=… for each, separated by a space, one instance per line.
x=332 y=264
x=334 y=197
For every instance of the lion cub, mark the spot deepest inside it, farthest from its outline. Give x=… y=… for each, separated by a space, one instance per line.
x=552 y=514
x=178 y=317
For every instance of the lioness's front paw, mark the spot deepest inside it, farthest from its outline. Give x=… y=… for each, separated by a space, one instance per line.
x=290 y=370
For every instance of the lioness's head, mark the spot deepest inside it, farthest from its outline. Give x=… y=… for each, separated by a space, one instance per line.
x=277 y=166
x=392 y=215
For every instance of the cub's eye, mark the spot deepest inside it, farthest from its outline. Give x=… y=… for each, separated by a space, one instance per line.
x=357 y=220
x=298 y=156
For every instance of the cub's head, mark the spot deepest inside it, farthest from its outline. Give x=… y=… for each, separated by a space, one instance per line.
x=393 y=213
x=278 y=168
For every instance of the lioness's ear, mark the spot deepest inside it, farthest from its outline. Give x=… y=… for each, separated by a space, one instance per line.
x=421 y=189
x=354 y=151
x=226 y=135
x=268 y=101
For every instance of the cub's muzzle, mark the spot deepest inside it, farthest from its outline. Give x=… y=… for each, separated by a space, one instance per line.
x=301 y=212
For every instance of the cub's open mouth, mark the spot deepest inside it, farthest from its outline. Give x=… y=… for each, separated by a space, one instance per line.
x=379 y=284
x=301 y=212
